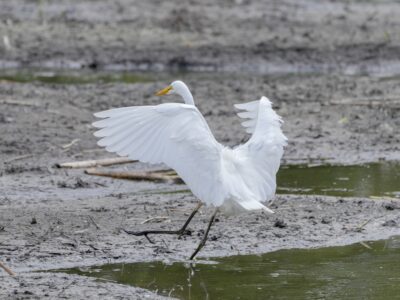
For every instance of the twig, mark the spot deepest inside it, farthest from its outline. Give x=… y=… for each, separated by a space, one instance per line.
x=6 y=42
x=167 y=172
x=360 y=227
x=69 y=145
x=382 y=101
x=154 y=218
x=18 y=158
x=93 y=150
x=152 y=176
x=5 y=268
x=94 y=223
x=95 y=163
x=366 y=245
x=64 y=288
x=18 y=102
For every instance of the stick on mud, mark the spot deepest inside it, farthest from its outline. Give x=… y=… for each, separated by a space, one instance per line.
x=151 y=176
x=95 y=163
x=5 y=268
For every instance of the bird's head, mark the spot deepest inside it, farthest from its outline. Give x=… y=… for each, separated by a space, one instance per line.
x=176 y=87
x=180 y=88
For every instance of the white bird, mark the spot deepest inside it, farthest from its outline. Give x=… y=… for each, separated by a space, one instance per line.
x=176 y=134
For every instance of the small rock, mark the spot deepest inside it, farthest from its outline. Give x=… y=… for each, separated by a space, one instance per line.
x=390 y=206
x=213 y=238
x=280 y=223
x=390 y=223
x=33 y=221
x=325 y=220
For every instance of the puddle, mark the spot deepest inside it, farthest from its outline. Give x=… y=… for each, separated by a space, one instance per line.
x=349 y=272
x=370 y=180
x=71 y=77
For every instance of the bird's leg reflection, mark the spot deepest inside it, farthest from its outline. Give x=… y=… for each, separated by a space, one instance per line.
x=180 y=232
x=204 y=239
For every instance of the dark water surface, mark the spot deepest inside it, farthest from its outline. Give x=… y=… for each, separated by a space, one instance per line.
x=369 y=180
x=349 y=272
x=376 y=180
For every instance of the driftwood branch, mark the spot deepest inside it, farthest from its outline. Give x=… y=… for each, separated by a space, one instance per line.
x=151 y=176
x=95 y=163
x=165 y=172
x=5 y=268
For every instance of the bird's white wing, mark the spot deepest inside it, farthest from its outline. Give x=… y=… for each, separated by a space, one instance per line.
x=264 y=150
x=171 y=133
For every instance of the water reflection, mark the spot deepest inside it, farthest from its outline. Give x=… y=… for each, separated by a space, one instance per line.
x=350 y=272
x=369 y=180
x=378 y=179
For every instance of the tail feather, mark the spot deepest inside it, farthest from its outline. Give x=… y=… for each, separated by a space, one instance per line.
x=233 y=207
x=255 y=205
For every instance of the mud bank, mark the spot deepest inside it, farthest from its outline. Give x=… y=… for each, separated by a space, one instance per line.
x=328 y=118
x=59 y=286
x=252 y=36
x=45 y=233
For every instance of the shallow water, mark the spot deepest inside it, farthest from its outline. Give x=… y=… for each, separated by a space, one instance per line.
x=380 y=180
x=349 y=272
x=369 y=180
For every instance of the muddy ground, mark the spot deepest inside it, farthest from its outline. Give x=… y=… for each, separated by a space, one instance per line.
x=52 y=218
x=245 y=35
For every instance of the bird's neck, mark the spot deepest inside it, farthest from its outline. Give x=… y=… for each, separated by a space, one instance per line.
x=187 y=96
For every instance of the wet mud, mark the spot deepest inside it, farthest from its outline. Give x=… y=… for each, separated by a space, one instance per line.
x=344 y=109
x=229 y=35
x=52 y=218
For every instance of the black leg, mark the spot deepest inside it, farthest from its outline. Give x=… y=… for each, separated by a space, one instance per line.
x=203 y=241
x=179 y=232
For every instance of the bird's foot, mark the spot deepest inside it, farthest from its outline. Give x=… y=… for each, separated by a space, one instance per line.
x=138 y=233
x=181 y=232
x=184 y=233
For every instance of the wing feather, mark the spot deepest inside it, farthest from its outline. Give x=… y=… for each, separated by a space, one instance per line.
x=174 y=134
x=264 y=150
x=177 y=135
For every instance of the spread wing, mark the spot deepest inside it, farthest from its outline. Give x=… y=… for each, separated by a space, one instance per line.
x=172 y=133
x=264 y=150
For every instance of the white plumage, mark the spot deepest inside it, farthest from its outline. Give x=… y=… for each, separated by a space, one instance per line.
x=177 y=135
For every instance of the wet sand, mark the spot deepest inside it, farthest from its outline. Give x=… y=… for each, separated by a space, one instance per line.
x=52 y=218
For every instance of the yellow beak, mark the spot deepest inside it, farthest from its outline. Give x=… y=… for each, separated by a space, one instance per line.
x=164 y=91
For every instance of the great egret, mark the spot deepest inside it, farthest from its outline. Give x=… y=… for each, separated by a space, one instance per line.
x=176 y=134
